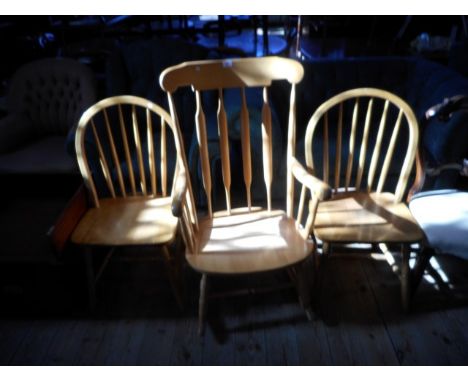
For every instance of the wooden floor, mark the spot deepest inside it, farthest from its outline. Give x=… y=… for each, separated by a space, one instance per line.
x=358 y=318
x=358 y=322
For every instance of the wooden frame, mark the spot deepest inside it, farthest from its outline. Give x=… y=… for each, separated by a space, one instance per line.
x=130 y=209
x=227 y=242
x=362 y=211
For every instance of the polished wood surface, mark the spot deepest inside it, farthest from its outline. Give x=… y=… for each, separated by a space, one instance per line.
x=224 y=148
x=218 y=75
x=365 y=218
x=405 y=114
x=232 y=73
x=248 y=242
x=359 y=211
x=129 y=221
x=245 y=139
x=138 y=183
x=137 y=212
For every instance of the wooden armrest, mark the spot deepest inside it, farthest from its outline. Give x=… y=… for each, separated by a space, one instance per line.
x=180 y=190
x=319 y=189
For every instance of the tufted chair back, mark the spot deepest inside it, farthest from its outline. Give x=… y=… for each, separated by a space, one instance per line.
x=52 y=93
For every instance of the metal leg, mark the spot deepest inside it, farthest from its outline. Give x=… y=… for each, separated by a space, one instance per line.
x=405 y=277
x=91 y=279
x=202 y=304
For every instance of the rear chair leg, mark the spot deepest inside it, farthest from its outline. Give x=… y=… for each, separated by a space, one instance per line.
x=303 y=287
x=174 y=273
x=202 y=304
x=405 y=278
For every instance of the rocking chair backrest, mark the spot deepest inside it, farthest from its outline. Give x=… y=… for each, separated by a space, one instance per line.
x=236 y=73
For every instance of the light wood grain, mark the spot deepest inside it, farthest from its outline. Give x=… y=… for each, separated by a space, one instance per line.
x=389 y=155
x=326 y=159
x=354 y=216
x=291 y=151
x=136 y=136
x=115 y=157
x=352 y=142
x=232 y=73
x=103 y=161
x=390 y=99
x=318 y=188
x=247 y=242
x=151 y=159
x=377 y=147
x=203 y=149
x=365 y=138
x=127 y=221
x=366 y=218
x=245 y=141
x=339 y=139
x=224 y=148
x=123 y=131
x=142 y=219
x=267 y=146
x=163 y=158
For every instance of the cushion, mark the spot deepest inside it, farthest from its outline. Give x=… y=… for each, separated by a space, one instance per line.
x=443 y=215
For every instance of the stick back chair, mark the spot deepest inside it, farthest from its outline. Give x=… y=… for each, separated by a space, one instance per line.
x=361 y=208
x=115 y=143
x=248 y=239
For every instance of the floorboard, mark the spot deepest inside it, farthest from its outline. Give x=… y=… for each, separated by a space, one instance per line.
x=358 y=318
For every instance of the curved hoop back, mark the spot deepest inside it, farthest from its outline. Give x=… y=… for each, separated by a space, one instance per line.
x=126 y=154
x=377 y=143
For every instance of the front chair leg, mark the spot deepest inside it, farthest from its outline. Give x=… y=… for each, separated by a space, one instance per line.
x=202 y=304
x=405 y=278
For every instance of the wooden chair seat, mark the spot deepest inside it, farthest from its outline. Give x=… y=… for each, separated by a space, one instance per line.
x=127 y=221
x=366 y=218
x=248 y=242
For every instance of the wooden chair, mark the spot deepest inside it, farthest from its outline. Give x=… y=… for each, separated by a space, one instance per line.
x=361 y=210
x=249 y=239
x=133 y=206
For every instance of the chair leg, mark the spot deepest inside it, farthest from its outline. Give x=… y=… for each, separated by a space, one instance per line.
x=304 y=286
x=420 y=267
x=321 y=268
x=405 y=277
x=202 y=304
x=91 y=279
x=326 y=249
x=174 y=273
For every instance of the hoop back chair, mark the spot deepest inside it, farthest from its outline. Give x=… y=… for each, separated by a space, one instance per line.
x=363 y=207
x=248 y=239
x=116 y=150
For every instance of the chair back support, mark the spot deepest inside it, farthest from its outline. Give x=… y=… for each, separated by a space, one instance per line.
x=119 y=132
x=236 y=73
x=368 y=145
